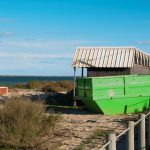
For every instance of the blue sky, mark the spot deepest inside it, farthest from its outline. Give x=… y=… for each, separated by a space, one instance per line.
x=39 y=37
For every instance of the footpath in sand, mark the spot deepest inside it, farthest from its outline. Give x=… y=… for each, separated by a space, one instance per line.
x=83 y=131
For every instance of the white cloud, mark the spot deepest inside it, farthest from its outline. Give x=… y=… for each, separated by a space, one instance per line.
x=33 y=56
x=2 y=20
x=143 y=42
x=2 y=34
x=71 y=33
x=48 y=44
x=35 y=64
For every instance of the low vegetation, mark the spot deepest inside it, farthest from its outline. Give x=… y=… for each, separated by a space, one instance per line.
x=95 y=135
x=89 y=141
x=47 y=86
x=24 y=124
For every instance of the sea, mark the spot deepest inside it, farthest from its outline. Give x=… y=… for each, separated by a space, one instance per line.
x=12 y=80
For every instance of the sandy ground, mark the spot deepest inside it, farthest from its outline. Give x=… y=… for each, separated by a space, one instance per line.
x=79 y=130
x=23 y=92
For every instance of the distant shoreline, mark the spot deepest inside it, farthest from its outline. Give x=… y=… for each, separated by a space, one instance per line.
x=31 y=76
x=12 y=80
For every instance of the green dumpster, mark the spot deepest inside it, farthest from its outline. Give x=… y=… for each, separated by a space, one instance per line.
x=115 y=94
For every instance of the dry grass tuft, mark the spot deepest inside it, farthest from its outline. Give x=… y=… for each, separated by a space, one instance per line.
x=23 y=123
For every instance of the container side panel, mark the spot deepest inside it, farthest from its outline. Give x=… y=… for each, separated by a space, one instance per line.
x=80 y=83
x=138 y=85
x=121 y=106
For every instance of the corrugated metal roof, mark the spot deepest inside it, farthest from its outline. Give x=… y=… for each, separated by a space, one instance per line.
x=109 y=57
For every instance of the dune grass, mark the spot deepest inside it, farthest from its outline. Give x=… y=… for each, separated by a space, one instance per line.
x=24 y=123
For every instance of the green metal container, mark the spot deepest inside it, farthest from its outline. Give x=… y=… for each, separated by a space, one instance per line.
x=138 y=86
x=114 y=95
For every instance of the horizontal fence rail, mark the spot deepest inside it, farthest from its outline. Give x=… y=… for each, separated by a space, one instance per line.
x=143 y=141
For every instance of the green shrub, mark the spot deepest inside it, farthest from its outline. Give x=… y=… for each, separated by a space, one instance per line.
x=48 y=86
x=20 y=86
x=67 y=85
x=52 y=89
x=23 y=124
x=34 y=85
x=59 y=86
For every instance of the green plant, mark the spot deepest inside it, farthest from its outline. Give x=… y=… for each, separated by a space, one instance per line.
x=96 y=134
x=23 y=123
x=47 y=86
x=51 y=87
x=67 y=85
x=20 y=86
x=34 y=84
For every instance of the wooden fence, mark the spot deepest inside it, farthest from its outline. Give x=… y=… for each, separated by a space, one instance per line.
x=143 y=144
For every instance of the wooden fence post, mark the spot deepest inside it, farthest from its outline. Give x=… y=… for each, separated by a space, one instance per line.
x=148 y=130
x=142 y=133
x=130 y=136
x=112 y=138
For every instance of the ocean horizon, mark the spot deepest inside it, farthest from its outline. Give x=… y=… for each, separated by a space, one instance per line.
x=9 y=80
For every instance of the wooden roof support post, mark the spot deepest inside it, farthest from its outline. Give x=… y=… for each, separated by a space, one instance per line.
x=82 y=72
x=74 y=89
